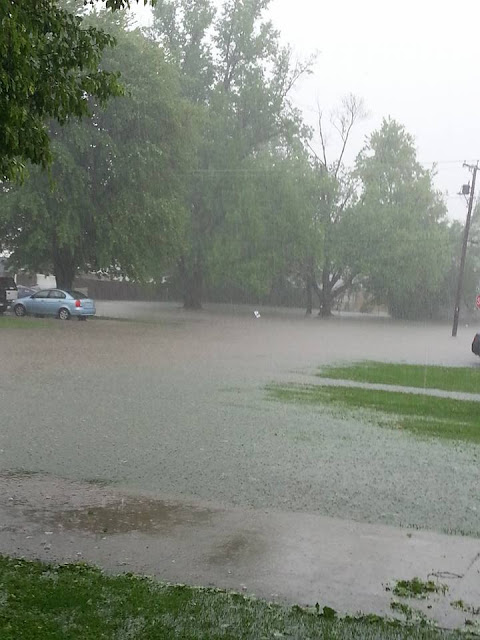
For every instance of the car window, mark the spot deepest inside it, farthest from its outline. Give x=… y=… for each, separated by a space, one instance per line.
x=41 y=294
x=55 y=293
x=78 y=295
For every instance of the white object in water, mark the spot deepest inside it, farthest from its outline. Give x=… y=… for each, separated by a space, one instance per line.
x=257 y=314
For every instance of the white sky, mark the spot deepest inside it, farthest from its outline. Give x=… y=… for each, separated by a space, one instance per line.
x=416 y=61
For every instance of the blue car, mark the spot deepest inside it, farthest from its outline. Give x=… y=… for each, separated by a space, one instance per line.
x=55 y=302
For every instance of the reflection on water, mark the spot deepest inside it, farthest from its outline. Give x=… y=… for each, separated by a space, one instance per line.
x=126 y=515
x=240 y=546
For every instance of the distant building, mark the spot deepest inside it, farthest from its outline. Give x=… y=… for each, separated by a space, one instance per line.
x=36 y=280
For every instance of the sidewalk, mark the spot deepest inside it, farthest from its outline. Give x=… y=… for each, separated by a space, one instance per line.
x=313 y=380
x=282 y=556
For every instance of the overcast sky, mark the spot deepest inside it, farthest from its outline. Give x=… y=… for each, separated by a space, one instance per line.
x=416 y=61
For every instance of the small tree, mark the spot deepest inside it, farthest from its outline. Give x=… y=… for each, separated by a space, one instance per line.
x=337 y=187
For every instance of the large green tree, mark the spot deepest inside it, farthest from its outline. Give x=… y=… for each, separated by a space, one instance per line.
x=48 y=67
x=266 y=232
x=402 y=229
x=114 y=198
x=234 y=67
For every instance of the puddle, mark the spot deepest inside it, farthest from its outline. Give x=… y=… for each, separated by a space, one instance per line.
x=125 y=516
x=237 y=547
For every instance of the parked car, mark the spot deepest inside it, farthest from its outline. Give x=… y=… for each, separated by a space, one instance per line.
x=8 y=292
x=56 y=302
x=476 y=345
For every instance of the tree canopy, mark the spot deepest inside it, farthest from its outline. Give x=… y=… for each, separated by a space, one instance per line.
x=114 y=198
x=402 y=226
x=232 y=65
x=48 y=67
x=177 y=149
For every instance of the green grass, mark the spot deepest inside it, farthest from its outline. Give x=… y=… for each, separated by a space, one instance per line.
x=422 y=415
x=408 y=375
x=12 y=322
x=409 y=612
x=467 y=608
x=76 y=602
x=417 y=588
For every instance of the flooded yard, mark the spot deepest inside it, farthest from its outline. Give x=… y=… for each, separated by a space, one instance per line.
x=175 y=404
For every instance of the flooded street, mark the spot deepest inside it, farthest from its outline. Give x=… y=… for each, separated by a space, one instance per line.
x=163 y=435
x=178 y=407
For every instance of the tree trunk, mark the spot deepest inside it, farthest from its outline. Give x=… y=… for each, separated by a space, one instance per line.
x=326 y=299
x=64 y=270
x=192 y=283
x=326 y=309
x=309 y=285
x=309 y=292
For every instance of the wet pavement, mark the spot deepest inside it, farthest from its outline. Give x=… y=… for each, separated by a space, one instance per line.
x=280 y=556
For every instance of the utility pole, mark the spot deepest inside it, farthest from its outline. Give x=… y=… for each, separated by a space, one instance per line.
x=458 y=298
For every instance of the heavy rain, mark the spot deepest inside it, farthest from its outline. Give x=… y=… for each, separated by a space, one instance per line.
x=274 y=393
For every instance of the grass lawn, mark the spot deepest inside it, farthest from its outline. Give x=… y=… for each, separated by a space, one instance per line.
x=408 y=375
x=42 y=602
x=12 y=322
x=420 y=414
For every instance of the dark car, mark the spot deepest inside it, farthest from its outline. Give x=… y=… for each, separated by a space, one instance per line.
x=476 y=345
x=8 y=292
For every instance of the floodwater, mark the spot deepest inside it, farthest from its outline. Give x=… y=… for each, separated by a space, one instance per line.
x=176 y=405
x=151 y=446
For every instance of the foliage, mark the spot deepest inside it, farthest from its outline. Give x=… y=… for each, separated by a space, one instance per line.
x=49 y=602
x=116 y=202
x=411 y=614
x=265 y=229
x=337 y=262
x=463 y=606
x=48 y=67
x=471 y=280
x=416 y=588
x=181 y=27
x=233 y=65
x=401 y=226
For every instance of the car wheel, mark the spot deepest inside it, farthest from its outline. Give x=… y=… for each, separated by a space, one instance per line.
x=64 y=314
x=20 y=310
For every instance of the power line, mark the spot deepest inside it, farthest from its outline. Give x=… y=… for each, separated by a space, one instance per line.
x=436 y=162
